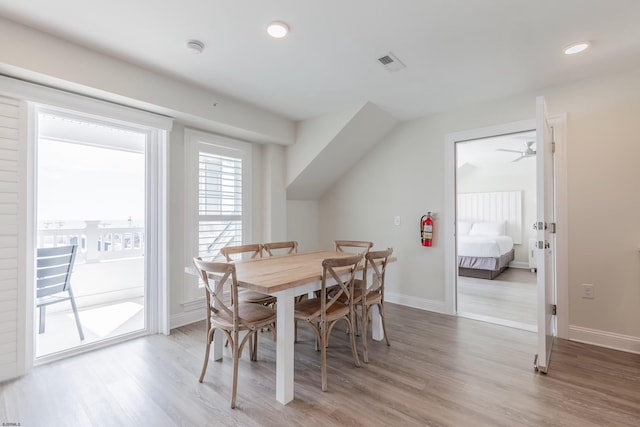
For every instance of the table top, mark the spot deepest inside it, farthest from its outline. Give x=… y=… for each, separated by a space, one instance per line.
x=277 y=273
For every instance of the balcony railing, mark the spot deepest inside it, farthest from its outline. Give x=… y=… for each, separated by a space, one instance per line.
x=97 y=240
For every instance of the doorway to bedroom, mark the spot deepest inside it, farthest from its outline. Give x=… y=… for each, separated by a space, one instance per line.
x=495 y=187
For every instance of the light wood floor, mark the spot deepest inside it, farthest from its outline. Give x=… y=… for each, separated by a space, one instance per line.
x=509 y=299
x=440 y=370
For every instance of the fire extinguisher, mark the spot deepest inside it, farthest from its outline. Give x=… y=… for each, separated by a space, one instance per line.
x=426 y=229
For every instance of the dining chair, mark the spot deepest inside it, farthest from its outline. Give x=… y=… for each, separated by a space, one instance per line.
x=53 y=281
x=324 y=312
x=373 y=294
x=228 y=317
x=280 y=248
x=254 y=250
x=357 y=246
x=360 y=247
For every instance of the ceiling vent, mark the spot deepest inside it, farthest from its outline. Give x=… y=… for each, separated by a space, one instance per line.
x=391 y=62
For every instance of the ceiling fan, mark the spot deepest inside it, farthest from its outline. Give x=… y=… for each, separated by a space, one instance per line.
x=528 y=151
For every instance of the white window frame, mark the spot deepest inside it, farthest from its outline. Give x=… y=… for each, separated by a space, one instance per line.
x=195 y=143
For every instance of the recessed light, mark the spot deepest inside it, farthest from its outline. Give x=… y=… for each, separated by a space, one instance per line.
x=278 y=29
x=576 y=48
x=195 y=46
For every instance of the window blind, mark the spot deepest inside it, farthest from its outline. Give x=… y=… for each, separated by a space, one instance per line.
x=219 y=203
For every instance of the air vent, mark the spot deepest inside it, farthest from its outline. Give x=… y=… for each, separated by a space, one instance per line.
x=391 y=62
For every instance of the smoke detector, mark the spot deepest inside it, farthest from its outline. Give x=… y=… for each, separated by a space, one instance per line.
x=391 y=62
x=195 y=46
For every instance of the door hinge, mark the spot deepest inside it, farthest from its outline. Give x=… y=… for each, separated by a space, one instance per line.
x=539 y=225
x=553 y=147
x=543 y=245
x=554 y=309
x=552 y=227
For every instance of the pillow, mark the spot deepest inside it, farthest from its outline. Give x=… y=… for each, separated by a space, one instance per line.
x=496 y=228
x=464 y=227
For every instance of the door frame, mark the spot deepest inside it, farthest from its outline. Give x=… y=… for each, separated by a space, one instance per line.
x=157 y=162
x=561 y=264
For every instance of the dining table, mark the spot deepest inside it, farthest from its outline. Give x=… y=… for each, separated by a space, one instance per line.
x=286 y=277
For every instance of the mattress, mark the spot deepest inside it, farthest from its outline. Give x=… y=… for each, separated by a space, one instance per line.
x=484 y=246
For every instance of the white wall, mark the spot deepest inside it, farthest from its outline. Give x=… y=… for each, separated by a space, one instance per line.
x=404 y=176
x=520 y=176
x=302 y=224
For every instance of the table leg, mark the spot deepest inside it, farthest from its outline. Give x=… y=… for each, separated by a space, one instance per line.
x=376 y=324
x=284 y=349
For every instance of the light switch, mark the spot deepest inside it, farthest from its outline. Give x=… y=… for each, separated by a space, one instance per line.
x=396 y=220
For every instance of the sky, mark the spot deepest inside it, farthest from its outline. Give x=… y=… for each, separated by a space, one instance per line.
x=78 y=182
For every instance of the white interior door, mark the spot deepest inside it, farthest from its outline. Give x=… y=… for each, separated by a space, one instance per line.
x=545 y=225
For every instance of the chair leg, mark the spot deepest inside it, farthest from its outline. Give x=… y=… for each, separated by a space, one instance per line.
x=254 y=346
x=323 y=355
x=75 y=313
x=354 y=350
x=384 y=324
x=206 y=354
x=234 y=349
x=42 y=314
x=365 y=322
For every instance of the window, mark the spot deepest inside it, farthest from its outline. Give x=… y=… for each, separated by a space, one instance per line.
x=219 y=203
x=218 y=197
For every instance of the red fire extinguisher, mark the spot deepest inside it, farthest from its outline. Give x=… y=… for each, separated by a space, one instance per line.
x=426 y=229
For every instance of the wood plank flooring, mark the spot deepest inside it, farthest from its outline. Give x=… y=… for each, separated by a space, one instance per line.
x=440 y=370
x=509 y=299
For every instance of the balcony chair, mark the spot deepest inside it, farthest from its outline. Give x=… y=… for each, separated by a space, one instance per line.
x=324 y=312
x=53 y=281
x=230 y=318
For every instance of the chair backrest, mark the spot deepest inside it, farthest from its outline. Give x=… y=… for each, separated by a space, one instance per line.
x=53 y=269
x=377 y=260
x=281 y=248
x=334 y=268
x=220 y=289
x=356 y=246
x=254 y=250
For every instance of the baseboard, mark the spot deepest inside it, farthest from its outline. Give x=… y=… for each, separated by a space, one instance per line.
x=415 y=302
x=605 y=339
x=519 y=264
x=193 y=312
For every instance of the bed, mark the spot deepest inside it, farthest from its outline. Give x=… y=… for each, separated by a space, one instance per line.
x=484 y=250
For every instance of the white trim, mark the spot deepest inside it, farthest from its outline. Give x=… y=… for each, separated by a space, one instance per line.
x=605 y=339
x=194 y=311
x=91 y=106
x=157 y=289
x=561 y=203
x=26 y=257
x=519 y=264
x=415 y=302
x=559 y=123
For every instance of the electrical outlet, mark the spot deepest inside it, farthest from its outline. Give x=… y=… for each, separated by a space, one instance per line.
x=588 y=291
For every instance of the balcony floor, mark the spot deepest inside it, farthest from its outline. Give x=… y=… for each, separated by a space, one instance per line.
x=98 y=323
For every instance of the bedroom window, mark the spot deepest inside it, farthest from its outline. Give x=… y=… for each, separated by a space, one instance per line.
x=219 y=196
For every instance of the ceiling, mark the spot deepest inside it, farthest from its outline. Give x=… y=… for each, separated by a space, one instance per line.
x=457 y=52
x=487 y=152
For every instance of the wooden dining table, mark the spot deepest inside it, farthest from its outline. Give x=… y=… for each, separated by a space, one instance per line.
x=285 y=277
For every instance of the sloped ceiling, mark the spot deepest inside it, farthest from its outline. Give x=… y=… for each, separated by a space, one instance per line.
x=329 y=146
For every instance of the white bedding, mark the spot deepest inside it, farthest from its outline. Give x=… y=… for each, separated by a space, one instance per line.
x=484 y=246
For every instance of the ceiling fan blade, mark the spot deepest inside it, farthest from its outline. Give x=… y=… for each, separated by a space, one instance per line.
x=508 y=151
x=518 y=159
